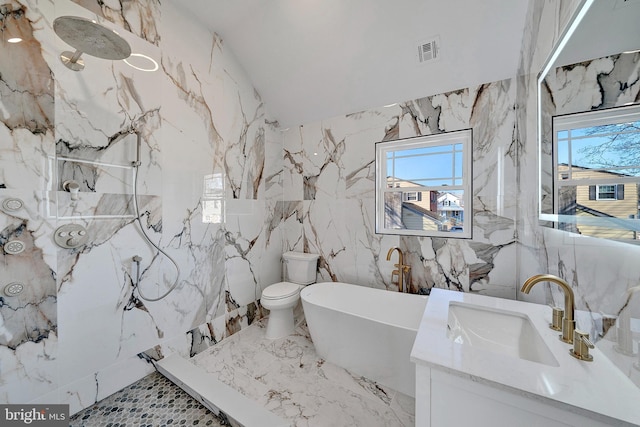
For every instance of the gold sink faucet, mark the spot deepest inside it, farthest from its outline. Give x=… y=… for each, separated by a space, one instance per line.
x=568 y=322
x=401 y=269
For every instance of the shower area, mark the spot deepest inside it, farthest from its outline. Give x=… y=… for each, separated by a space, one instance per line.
x=137 y=218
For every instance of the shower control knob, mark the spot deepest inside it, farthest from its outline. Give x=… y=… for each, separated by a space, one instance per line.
x=70 y=236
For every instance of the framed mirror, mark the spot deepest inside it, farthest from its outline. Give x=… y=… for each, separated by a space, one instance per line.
x=589 y=124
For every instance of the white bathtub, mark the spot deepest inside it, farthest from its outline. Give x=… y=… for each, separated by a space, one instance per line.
x=369 y=332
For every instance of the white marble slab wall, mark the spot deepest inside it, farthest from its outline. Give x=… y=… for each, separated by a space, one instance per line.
x=329 y=172
x=207 y=192
x=600 y=271
x=28 y=321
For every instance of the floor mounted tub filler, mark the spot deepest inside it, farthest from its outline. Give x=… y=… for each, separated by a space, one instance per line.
x=368 y=331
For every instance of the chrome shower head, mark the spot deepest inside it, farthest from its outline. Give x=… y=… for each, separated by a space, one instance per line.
x=87 y=36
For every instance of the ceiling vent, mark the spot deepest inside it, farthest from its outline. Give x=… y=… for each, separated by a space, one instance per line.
x=429 y=50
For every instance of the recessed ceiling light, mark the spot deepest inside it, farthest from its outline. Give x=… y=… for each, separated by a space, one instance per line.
x=14 y=40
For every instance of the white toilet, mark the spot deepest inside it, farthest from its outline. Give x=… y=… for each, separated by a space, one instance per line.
x=280 y=298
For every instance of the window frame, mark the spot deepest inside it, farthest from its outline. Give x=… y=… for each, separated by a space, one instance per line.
x=463 y=137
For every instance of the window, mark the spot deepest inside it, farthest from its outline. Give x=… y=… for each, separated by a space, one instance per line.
x=423 y=185
x=606 y=192
x=597 y=160
x=412 y=196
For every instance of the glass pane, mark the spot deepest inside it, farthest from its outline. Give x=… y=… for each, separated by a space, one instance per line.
x=458 y=165
x=430 y=150
x=606 y=147
x=410 y=168
x=390 y=173
x=451 y=209
x=426 y=210
x=594 y=212
x=563 y=153
x=393 y=211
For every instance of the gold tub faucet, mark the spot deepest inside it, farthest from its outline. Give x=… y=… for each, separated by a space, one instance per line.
x=568 y=322
x=401 y=269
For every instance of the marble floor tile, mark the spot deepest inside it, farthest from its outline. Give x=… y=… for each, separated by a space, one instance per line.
x=287 y=377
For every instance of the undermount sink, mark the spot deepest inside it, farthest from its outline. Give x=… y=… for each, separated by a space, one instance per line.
x=499 y=331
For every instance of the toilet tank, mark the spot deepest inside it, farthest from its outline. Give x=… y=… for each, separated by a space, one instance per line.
x=300 y=268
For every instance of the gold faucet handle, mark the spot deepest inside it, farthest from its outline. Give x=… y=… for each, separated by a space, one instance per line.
x=556 y=318
x=581 y=346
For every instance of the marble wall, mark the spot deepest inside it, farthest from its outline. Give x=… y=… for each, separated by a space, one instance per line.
x=207 y=191
x=602 y=273
x=329 y=189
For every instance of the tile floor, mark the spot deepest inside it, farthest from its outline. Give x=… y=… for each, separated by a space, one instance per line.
x=287 y=377
x=151 y=402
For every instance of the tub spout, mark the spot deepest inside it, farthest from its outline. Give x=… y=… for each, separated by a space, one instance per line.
x=568 y=322
x=400 y=271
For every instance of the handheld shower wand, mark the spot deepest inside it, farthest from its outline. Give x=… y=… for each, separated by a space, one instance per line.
x=136 y=164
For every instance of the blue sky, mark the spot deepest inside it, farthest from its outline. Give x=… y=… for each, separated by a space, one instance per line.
x=427 y=165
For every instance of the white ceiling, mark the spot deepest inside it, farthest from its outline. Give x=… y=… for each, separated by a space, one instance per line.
x=315 y=59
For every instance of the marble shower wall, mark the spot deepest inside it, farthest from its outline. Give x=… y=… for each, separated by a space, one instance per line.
x=601 y=272
x=207 y=188
x=329 y=188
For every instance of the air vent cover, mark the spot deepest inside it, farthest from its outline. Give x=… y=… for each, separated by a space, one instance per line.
x=429 y=49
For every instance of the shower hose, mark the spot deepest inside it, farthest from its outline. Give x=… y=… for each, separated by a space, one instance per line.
x=137 y=259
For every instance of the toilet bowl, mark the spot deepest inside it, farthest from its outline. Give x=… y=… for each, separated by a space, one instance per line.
x=280 y=298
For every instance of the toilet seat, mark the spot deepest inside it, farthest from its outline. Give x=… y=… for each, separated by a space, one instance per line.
x=280 y=290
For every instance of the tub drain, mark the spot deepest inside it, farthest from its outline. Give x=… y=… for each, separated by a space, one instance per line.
x=13 y=289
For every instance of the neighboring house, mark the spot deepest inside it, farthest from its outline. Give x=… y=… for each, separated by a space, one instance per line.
x=425 y=210
x=414 y=210
x=600 y=194
x=414 y=217
x=451 y=208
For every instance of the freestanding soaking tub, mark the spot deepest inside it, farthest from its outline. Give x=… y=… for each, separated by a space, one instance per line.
x=369 y=332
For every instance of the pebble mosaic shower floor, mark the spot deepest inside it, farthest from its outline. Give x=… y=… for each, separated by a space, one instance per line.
x=151 y=402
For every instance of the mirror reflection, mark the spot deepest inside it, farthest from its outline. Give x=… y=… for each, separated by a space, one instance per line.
x=590 y=125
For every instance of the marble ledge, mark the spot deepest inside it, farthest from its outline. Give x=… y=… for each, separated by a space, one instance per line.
x=217 y=396
x=597 y=389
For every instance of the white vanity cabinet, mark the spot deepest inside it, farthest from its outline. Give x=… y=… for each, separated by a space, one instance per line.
x=485 y=372
x=445 y=400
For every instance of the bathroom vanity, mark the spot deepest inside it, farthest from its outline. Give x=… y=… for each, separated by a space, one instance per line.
x=490 y=361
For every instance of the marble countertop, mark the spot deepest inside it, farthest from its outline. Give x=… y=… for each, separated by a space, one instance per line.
x=596 y=389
